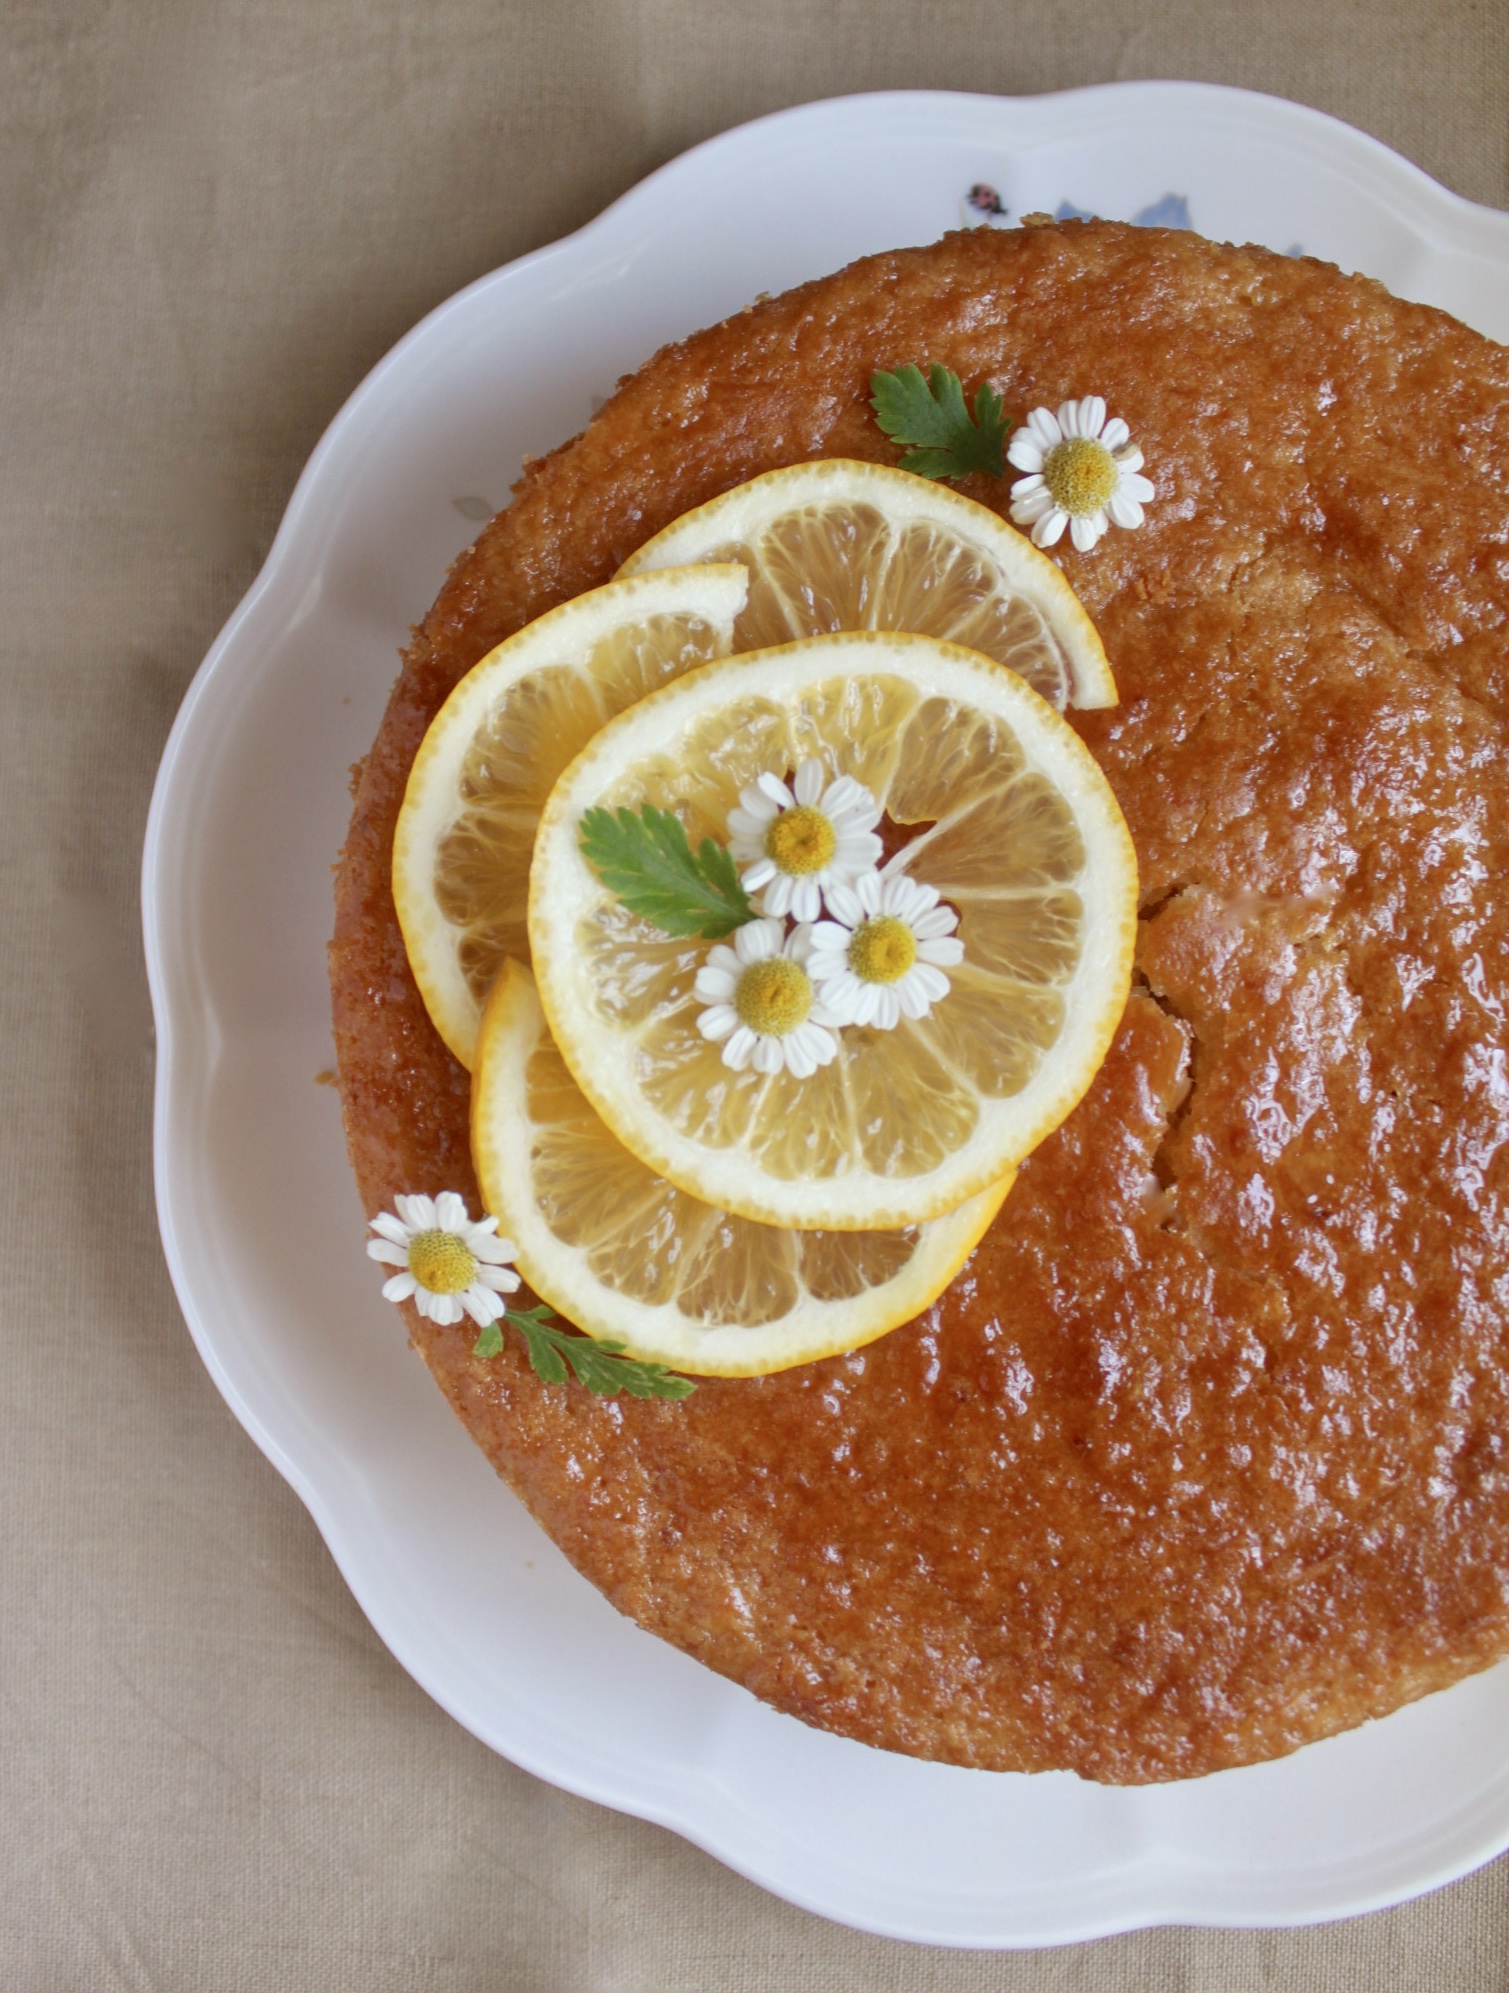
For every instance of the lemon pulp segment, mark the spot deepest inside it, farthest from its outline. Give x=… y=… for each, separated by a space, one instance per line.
x=1016 y=828
x=841 y=545
x=465 y=833
x=625 y=1255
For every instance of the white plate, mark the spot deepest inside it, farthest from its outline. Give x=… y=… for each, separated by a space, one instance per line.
x=259 y=1216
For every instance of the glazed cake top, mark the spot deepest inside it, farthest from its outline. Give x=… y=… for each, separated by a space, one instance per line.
x=1207 y=1451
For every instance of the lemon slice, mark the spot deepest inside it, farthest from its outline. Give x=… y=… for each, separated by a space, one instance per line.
x=839 y=545
x=622 y=1253
x=1017 y=830
x=464 y=835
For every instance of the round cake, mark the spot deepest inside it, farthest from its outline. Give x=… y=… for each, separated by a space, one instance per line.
x=1205 y=1454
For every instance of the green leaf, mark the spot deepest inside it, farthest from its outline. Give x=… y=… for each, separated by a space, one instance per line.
x=598 y=1365
x=545 y=1360
x=490 y=1342
x=929 y=418
x=645 y=857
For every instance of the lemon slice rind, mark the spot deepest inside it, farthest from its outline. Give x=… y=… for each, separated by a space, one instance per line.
x=561 y=640
x=507 y=1142
x=567 y=901
x=734 y=526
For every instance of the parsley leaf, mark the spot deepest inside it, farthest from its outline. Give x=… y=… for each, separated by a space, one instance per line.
x=929 y=418
x=647 y=859
x=598 y=1365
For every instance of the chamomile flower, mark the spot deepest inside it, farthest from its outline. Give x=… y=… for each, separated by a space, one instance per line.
x=1083 y=474
x=761 y=1004
x=447 y=1265
x=882 y=955
x=798 y=841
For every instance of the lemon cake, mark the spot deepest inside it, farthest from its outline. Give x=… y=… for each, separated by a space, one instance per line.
x=1204 y=1453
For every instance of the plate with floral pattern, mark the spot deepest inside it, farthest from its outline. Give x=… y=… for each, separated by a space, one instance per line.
x=260 y=1219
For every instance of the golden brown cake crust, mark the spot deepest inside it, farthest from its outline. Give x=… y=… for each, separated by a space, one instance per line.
x=1207 y=1452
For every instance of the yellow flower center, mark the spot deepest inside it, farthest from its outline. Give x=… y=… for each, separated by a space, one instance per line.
x=801 y=841
x=882 y=950
x=441 y=1262
x=774 y=996
x=1081 y=475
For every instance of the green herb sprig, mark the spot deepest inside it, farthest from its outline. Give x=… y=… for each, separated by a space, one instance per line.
x=928 y=417
x=646 y=858
x=601 y=1366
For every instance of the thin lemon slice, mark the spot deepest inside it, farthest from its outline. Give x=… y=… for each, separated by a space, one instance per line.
x=1017 y=830
x=839 y=545
x=483 y=771
x=622 y=1253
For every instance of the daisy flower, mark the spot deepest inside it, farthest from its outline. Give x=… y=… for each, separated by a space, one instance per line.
x=448 y=1265
x=1083 y=474
x=798 y=841
x=761 y=1003
x=882 y=956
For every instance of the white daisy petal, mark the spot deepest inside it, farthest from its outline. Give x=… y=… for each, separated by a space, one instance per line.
x=856 y=851
x=1128 y=458
x=718 y=1022
x=1092 y=416
x=808 y=782
x=768 y=1055
x=759 y=874
x=1044 y=425
x=400 y=1287
x=389 y=1254
x=947 y=951
x=1124 y=509
x=739 y=1050
x=796 y=1057
x=843 y=793
x=389 y=1227
x=757 y=806
x=715 y=981
x=911 y=899
x=866 y=1003
x=497 y=1279
x=806 y=899
x=775 y=791
x=819 y=1036
x=757 y=940
x=713 y=986
x=912 y=1000
x=1049 y=530
x=1114 y=434
x=417 y=1212
x=1140 y=488
x=450 y=1212
x=829 y=935
x=843 y=902
x=1026 y=451
x=482 y=1306
x=1084 y=532
x=1036 y=505
x=887 y=1009
x=778 y=894
x=930 y=979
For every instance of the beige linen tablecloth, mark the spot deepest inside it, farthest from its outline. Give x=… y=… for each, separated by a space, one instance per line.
x=217 y=215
